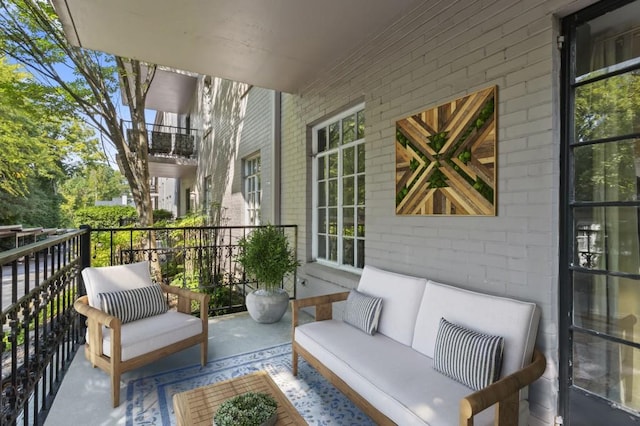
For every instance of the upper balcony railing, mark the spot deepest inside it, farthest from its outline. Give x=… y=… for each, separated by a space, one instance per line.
x=167 y=141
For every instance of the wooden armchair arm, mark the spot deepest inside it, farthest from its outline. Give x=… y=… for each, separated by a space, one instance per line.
x=504 y=392
x=81 y=305
x=185 y=297
x=323 y=305
x=95 y=320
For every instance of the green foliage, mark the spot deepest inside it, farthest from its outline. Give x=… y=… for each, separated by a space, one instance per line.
x=485 y=190
x=465 y=156
x=36 y=142
x=401 y=138
x=248 y=409
x=90 y=182
x=438 y=140
x=40 y=207
x=401 y=194
x=225 y=296
x=192 y=219
x=75 y=83
x=162 y=215
x=103 y=216
x=266 y=256
x=438 y=179
x=607 y=108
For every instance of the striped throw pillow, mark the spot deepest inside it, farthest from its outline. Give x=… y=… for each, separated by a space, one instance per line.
x=134 y=304
x=363 y=311
x=471 y=358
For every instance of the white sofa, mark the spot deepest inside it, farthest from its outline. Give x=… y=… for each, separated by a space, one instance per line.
x=390 y=374
x=117 y=345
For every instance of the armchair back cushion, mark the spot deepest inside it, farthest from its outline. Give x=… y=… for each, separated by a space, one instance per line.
x=108 y=279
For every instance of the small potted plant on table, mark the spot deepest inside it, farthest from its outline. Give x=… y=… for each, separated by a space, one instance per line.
x=247 y=409
x=266 y=256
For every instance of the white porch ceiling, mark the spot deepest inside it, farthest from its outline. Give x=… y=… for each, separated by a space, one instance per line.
x=276 y=44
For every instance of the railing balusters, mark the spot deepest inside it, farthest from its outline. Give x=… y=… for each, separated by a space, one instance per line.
x=38 y=337
x=40 y=332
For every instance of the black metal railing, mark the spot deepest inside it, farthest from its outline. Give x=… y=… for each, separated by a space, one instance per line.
x=166 y=141
x=198 y=258
x=40 y=329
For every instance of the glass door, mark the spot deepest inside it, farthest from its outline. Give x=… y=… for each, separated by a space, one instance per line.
x=600 y=264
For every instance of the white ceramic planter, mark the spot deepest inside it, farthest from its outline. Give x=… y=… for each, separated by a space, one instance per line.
x=267 y=306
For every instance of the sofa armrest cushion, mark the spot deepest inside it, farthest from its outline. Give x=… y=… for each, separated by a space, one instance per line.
x=363 y=311
x=471 y=358
x=134 y=304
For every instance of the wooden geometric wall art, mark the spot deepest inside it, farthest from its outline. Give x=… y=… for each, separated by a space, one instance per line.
x=446 y=158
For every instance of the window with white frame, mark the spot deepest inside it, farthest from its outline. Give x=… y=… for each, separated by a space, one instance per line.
x=252 y=190
x=338 y=190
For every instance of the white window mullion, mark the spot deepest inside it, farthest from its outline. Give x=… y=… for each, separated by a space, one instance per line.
x=322 y=154
x=340 y=199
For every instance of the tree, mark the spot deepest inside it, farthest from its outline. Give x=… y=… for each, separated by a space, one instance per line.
x=26 y=132
x=32 y=35
x=35 y=142
x=88 y=183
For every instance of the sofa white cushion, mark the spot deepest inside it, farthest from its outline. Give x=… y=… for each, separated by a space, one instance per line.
x=397 y=380
x=514 y=320
x=401 y=296
x=148 y=334
x=115 y=278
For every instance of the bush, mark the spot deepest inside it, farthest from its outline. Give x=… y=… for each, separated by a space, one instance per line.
x=162 y=215
x=104 y=216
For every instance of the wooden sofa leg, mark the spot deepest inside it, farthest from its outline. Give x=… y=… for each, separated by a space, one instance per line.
x=115 y=388
x=294 y=362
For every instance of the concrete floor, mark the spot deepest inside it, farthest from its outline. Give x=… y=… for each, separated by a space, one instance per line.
x=84 y=396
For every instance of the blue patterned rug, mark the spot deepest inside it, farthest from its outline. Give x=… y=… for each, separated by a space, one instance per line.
x=149 y=399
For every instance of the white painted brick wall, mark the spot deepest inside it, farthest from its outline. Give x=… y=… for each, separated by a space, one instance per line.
x=241 y=126
x=444 y=50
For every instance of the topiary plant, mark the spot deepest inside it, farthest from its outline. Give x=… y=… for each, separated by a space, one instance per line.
x=266 y=256
x=248 y=409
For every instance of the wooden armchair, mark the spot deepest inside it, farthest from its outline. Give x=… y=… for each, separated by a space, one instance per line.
x=117 y=347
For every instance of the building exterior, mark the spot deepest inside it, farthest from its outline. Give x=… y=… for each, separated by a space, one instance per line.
x=565 y=231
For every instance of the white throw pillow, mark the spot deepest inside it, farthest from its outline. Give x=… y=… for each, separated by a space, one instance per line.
x=363 y=311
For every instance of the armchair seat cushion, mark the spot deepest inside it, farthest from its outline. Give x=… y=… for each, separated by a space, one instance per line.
x=148 y=334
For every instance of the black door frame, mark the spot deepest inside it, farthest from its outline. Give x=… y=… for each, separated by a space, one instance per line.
x=605 y=408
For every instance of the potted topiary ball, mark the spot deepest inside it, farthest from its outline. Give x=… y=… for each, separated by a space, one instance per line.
x=247 y=409
x=266 y=256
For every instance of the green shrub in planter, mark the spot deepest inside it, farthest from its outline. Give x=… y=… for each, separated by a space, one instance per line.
x=266 y=256
x=248 y=409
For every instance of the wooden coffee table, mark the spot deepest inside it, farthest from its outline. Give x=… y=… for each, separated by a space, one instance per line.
x=197 y=406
